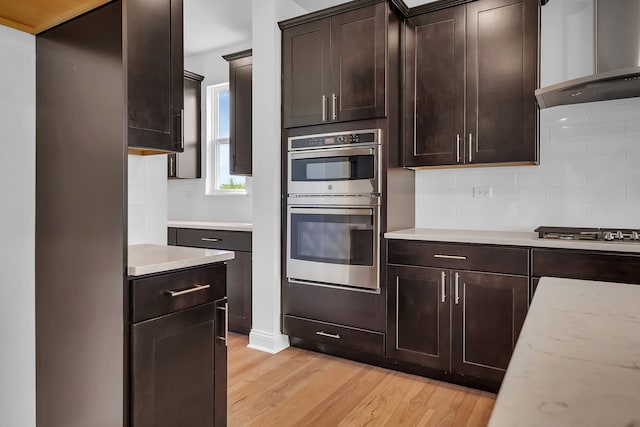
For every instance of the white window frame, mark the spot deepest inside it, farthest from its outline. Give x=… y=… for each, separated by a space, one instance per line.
x=213 y=145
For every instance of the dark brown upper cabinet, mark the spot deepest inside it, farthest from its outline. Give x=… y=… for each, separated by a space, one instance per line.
x=240 y=96
x=187 y=165
x=334 y=69
x=471 y=72
x=155 y=65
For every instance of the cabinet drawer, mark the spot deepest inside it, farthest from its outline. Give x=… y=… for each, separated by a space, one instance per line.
x=152 y=296
x=214 y=239
x=493 y=259
x=605 y=267
x=333 y=334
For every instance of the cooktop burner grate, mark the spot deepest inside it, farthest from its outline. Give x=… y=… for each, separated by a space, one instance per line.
x=576 y=233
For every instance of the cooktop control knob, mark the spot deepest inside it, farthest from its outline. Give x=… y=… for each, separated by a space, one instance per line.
x=635 y=235
x=619 y=235
x=608 y=235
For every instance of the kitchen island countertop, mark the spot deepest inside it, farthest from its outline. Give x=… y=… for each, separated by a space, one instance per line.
x=508 y=238
x=147 y=258
x=577 y=361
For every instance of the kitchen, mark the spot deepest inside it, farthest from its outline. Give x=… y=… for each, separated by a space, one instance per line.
x=587 y=177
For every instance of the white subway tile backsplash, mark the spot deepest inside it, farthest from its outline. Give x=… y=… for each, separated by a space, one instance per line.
x=588 y=131
x=613 y=145
x=633 y=128
x=632 y=161
x=563 y=149
x=589 y=175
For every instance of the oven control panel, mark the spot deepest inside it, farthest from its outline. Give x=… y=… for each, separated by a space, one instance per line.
x=334 y=139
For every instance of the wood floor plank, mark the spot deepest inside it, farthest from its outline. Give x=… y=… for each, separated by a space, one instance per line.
x=300 y=388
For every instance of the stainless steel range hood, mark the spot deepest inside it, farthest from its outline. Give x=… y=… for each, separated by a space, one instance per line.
x=617 y=59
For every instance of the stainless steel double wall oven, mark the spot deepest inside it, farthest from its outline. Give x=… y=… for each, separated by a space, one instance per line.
x=333 y=209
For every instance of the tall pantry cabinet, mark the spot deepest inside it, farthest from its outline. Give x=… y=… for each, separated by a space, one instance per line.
x=105 y=81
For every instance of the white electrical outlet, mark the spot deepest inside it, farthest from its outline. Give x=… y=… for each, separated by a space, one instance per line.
x=482 y=192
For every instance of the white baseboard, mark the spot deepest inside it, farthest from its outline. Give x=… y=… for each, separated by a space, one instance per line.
x=267 y=342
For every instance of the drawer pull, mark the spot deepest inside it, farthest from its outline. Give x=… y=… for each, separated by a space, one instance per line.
x=173 y=294
x=210 y=239
x=324 y=334
x=450 y=257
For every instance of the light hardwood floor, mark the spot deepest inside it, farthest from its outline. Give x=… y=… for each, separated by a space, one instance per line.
x=301 y=388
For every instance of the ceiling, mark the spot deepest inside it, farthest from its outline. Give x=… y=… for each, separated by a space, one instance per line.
x=216 y=24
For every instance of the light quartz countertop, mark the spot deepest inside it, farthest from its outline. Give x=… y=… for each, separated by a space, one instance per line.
x=211 y=225
x=577 y=361
x=509 y=238
x=148 y=259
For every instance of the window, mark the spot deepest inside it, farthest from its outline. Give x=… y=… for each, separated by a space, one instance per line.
x=219 y=179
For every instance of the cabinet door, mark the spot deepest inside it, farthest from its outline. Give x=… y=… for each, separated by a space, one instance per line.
x=154 y=73
x=358 y=51
x=434 y=118
x=240 y=77
x=418 y=310
x=239 y=292
x=186 y=165
x=487 y=315
x=502 y=49
x=178 y=369
x=306 y=61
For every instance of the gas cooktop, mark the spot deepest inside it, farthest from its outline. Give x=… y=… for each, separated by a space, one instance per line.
x=575 y=233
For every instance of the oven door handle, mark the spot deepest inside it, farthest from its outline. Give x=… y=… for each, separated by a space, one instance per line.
x=334 y=152
x=331 y=211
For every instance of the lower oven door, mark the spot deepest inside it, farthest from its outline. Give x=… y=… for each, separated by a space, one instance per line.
x=334 y=246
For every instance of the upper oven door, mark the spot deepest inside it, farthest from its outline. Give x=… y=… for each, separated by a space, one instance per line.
x=335 y=171
x=334 y=245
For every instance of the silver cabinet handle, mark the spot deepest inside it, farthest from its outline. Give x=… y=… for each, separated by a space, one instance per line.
x=171 y=167
x=334 y=106
x=324 y=108
x=225 y=338
x=210 y=239
x=182 y=128
x=457 y=286
x=470 y=148
x=324 y=334
x=450 y=257
x=444 y=287
x=458 y=148
x=197 y=288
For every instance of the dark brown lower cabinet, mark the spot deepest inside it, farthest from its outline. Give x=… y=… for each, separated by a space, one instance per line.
x=176 y=362
x=419 y=317
x=487 y=316
x=462 y=322
x=178 y=348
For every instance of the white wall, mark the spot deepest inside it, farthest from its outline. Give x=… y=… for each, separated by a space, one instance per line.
x=589 y=173
x=147 y=204
x=266 y=332
x=186 y=197
x=17 y=214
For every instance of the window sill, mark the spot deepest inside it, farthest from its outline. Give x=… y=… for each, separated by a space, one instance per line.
x=219 y=193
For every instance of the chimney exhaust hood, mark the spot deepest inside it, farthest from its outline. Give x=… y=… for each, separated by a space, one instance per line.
x=617 y=59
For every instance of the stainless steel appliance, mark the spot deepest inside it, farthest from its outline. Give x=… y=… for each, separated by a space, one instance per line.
x=333 y=210
x=616 y=51
x=335 y=163
x=603 y=234
x=333 y=242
